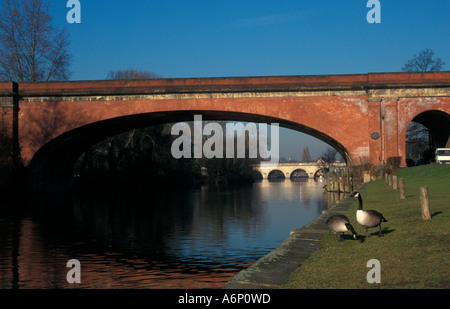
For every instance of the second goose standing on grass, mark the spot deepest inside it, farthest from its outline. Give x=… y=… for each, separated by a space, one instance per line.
x=340 y=224
x=368 y=218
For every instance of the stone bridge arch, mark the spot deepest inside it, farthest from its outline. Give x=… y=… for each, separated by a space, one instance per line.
x=298 y=173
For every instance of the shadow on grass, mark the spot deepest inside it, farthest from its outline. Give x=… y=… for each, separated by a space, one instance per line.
x=436 y=213
x=362 y=238
x=384 y=231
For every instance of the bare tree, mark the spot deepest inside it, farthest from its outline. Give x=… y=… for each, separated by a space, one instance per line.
x=123 y=154
x=306 y=156
x=131 y=74
x=417 y=140
x=131 y=143
x=31 y=48
x=424 y=62
x=327 y=158
x=329 y=155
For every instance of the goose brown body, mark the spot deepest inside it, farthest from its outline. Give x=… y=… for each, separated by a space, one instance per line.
x=368 y=218
x=340 y=224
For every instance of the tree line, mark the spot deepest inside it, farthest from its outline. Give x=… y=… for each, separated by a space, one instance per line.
x=142 y=157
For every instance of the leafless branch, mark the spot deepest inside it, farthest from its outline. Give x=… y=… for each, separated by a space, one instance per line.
x=31 y=48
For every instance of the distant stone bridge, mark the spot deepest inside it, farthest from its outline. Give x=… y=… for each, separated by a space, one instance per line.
x=288 y=169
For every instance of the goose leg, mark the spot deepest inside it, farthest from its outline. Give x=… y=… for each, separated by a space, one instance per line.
x=367 y=232
x=337 y=236
x=379 y=233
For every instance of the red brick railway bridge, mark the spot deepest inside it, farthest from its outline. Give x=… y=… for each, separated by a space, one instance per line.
x=54 y=122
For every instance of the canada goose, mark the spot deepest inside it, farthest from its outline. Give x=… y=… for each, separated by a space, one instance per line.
x=368 y=218
x=340 y=224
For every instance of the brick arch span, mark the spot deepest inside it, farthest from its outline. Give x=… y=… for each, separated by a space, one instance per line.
x=346 y=109
x=52 y=165
x=434 y=113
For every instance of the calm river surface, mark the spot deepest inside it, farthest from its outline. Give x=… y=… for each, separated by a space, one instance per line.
x=198 y=238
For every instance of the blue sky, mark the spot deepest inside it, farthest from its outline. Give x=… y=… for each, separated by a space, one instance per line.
x=198 y=38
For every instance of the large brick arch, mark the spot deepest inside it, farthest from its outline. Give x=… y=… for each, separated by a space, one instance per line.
x=53 y=162
x=43 y=121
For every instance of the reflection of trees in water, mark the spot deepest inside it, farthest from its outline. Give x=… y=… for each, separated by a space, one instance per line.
x=216 y=204
x=331 y=198
x=151 y=226
x=146 y=223
x=212 y=224
x=123 y=222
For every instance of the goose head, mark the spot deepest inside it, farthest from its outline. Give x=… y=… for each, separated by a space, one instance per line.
x=355 y=194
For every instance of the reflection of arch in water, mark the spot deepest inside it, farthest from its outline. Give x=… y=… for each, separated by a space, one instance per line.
x=258 y=175
x=319 y=173
x=276 y=175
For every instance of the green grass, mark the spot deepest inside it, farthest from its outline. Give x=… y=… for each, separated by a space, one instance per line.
x=414 y=253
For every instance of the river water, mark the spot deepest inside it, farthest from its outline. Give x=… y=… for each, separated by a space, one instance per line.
x=197 y=238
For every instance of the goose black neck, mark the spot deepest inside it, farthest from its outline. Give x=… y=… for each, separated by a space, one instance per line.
x=350 y=228
x=360 y=206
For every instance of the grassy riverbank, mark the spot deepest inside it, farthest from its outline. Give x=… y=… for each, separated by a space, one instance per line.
x=414 y=253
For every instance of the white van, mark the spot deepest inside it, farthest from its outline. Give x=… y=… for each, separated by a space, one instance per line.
x=443 y=155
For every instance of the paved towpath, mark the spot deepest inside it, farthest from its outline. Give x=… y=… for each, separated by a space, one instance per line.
x=273 y=270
